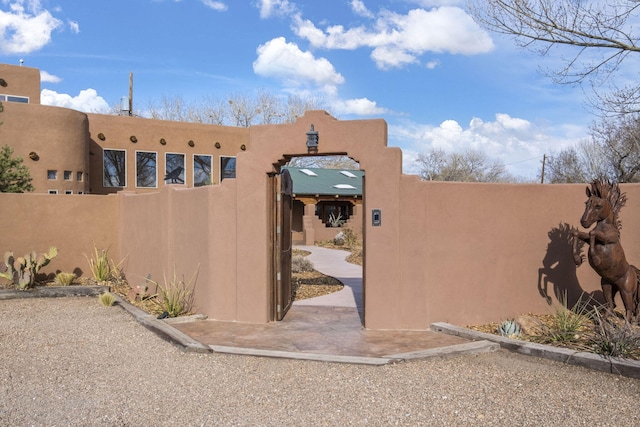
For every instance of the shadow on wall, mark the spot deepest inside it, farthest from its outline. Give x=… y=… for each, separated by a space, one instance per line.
x=559 y=270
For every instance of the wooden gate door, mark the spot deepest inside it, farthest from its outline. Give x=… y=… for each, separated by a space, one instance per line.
x=282 y=242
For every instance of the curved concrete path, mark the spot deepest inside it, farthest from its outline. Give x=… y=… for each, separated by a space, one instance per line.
x=332 y=262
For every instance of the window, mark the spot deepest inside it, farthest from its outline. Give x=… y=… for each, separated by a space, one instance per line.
x=53 y=191
x=227 y=167
x=114 y=169
x=14 y=98
x=68 y=191
x=146 y=169
x=174 y=168
x=79 y=176
x=202 y=166
x=67 y=175
x=52 y=174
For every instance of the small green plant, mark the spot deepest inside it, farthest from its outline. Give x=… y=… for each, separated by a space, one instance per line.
x=510 y=328
x=335 y=221
x=567 y=323
x=350 y=238
x=615 y=338
x=300 y=264
x=107 y=299
x=64 y=279
x=22 y=271
x=175 y=296
x=99 y=264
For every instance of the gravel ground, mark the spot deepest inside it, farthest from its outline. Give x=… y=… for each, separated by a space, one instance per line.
x=69 y=361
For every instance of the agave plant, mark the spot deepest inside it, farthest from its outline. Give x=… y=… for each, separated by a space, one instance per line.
x=510 y=328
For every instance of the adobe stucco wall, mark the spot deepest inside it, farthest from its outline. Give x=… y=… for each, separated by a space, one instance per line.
x=59 y=138
x=472 y=253
x=118 y=130
x=21 y=81
x=458 y=252
x=184 y=231
x=72 y=223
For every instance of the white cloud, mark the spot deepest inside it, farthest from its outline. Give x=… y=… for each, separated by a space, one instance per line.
x=361 y=107
x=75 y=27
x=286 y=62
x=269 y=8
x=215 y=5
x=360 y=9
x=49 y=78
x=87 y=101
x=26 y=29
x=432 y=64
x=517 y=143
x=397 y=40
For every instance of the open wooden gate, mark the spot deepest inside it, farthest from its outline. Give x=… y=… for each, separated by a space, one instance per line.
x=282 y=208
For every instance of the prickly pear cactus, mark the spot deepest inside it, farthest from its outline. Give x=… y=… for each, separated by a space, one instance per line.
x=22 y=271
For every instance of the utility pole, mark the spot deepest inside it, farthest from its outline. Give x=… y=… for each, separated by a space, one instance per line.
x=544 y=160
x=131 y=95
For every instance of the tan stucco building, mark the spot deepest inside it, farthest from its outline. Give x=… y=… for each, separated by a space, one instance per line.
x=433 y=251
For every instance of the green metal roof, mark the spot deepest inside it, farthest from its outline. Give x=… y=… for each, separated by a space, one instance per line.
x=314 y=181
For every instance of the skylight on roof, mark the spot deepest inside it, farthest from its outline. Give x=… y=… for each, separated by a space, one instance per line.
x=344 y=187
x=348 y=174
x=308 y=172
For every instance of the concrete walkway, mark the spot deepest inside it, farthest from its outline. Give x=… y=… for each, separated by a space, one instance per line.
x=332 y=262
x=327 y=328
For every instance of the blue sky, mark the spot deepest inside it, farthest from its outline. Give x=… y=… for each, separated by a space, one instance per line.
x=426 y=67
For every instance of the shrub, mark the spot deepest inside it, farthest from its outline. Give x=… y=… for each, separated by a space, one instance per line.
x=300 y=264
x=175 y=296
x=100 y=265
x=64 y=279
x=615 y=338
x=567 y=323
x=107 y=299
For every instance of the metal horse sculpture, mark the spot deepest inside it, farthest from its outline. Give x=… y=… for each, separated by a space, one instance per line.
x=605 y=252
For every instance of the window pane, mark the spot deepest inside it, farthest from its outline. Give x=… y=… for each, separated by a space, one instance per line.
x=146 y=169
x=114 y=168
x=227 y=167
x=67 y=175
x=51 y=174
x=22 y=99
x=174 y=170
x=201 y=170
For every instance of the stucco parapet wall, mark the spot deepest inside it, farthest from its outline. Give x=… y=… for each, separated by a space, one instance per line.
x=21 y=81
x=48 y=138
x=166 y=134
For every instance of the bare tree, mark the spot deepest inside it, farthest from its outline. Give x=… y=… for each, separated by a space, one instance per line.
x=540 y=25
x=240 y=110
x=324 y=162
x=469 y=166
x=620 y=142
x=566 y=166
x=612 y=151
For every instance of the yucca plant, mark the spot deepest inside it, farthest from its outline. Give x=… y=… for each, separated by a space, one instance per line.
x=567 y=323
x=175 y=296
x=614 y=337
x=64 y=279
x=107 y=299
x=99 y=264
